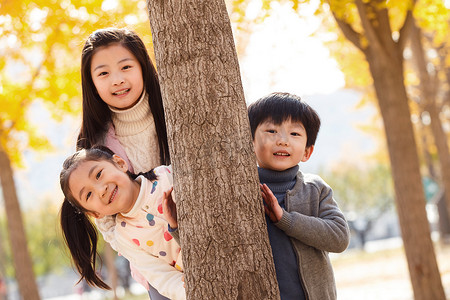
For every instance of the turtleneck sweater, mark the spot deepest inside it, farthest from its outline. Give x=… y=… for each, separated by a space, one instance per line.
x=285 y=259
x=135 y=129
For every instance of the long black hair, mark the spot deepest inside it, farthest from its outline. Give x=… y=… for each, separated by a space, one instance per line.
x=96 y=113
x=79 y=231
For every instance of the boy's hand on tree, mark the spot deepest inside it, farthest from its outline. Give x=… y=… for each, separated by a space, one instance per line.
x=170 y=209
x=271 y=205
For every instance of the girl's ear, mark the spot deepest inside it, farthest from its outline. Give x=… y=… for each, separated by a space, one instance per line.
x=94 y=214
x=308 y=151
x=120 y=162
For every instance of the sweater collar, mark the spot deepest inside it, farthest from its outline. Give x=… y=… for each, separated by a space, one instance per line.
x=278 y=181
x=132 y=120
x=271 y=176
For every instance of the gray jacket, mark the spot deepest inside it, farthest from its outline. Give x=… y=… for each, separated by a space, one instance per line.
x=316 y=226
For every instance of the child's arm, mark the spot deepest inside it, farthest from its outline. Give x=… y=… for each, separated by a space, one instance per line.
x=170 y=214
x=170 y=209
x=327 y=231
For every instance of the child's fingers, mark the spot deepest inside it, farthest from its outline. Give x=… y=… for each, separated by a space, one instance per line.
x=266 y=210
x=268 y=191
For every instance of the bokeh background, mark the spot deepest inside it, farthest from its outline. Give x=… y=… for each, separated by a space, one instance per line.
x=288 y=46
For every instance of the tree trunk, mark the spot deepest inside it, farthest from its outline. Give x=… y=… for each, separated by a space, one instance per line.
x=110 y=257
x=21 y=258
x=385 y=58
x=2 y=256
x=410 y=197
x=428 y=89
x=3 y=286
x=223 y=233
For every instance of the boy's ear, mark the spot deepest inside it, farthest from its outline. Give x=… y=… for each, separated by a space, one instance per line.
x=308 y=151
x=120 y=162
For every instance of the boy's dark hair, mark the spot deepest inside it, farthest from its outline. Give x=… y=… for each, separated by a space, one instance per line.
x=279 y=107
x=79 y=232
x=96 y=113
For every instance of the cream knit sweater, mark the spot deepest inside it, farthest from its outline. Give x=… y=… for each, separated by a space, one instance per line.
x=135 y=130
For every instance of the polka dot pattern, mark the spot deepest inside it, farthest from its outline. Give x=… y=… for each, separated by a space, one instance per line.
x=154 y=187
x=146 y=227
x=167 y=236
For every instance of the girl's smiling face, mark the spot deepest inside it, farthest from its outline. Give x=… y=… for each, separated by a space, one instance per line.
x=117 y=76
x=103 y=188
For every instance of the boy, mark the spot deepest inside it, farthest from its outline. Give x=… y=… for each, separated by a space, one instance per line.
x=303 y=220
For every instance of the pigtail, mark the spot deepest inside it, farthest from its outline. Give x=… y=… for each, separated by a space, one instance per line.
x=80 y=236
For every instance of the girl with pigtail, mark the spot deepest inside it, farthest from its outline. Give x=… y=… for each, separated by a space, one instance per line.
x=97 y=183
x=122 y=109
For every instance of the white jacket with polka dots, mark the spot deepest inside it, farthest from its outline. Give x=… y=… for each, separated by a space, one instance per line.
x=141 y=235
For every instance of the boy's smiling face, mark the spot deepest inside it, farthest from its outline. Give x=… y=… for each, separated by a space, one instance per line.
x=280 y=147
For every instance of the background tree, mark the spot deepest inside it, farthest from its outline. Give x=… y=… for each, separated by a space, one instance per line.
x=372 y=34
x=226 y=250
x=379 y=30
x=40 y=46
x=431 y=85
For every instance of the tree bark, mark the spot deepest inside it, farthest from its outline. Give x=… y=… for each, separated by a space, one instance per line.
x=223 y=233
x=385 y=59
x=21 y=258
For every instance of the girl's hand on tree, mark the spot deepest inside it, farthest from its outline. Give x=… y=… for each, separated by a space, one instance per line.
x=271 y=205
x=170 y=209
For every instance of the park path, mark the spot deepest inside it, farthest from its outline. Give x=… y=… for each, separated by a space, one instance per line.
x=382 y=274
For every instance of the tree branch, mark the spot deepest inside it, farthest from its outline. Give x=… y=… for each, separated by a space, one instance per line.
x=405 y=29
x=349 y=32
x=371 y=35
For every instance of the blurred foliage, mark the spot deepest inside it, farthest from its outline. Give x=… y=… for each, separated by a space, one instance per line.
x=365 y=191
x=40 y=51
x=45 y=241
x=432 y=16
x=40 y=55
x=45 y=238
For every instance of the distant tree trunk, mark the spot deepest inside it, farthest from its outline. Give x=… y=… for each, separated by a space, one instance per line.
x=426 y=152
x=110 y=256
x=223 y=233
x=428 y=86
x=3 y=286
x=21 y=258
x=444 y=220
x=2 y=256
x=385 y=59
